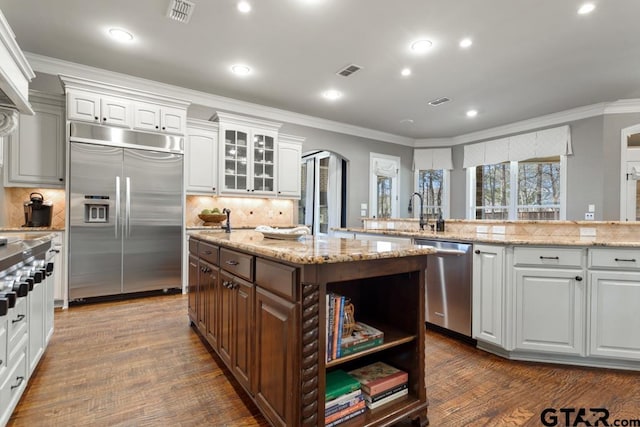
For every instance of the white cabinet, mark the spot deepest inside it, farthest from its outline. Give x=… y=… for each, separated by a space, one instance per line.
x=248 y=155
x=36 y=306
x=92 y=107
x=201 y=157
x=488 y=294
x=159 y=118
x=35 y=150
x=615 y=297
x=550 y=304
x=289 y=166
x=58 y=286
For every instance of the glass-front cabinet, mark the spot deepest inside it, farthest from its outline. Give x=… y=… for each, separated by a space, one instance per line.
x=249 y=151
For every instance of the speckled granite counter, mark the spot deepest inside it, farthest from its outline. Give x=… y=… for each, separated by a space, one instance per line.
x=311 y=249
x=29 y=229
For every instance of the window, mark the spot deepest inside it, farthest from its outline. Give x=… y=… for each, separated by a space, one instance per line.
x=526 y=190
x=433 y=185
x=383 y=185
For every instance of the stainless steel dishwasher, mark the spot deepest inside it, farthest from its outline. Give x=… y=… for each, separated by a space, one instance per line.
x=448 y=287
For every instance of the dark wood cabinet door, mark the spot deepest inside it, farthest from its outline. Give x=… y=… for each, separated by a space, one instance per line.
x=276 y=391
x=213 y=321
x=194 y=274
x=225 y=337
x=203 y=295
x=242 y=355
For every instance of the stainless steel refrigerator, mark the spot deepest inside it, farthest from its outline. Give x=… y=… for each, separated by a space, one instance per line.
x=125 y=212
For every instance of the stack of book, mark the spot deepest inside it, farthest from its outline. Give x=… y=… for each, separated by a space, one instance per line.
x=343 y=398
x=361 y=338
x=381 y=383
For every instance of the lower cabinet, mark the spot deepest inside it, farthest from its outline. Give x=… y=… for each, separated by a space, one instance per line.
x=276 y=320
x=615 y=321
x=488 y=292
x=36 y=319
x=212 y=308
x=194 y=276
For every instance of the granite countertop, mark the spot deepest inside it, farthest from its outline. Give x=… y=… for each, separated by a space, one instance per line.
x=311 y=249
x=511 y=239
x=19 y=247
x=30 y=229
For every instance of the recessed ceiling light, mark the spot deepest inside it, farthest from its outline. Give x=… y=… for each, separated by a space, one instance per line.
x=244 y=6
x=466 y=42
x=472 y=113
x=120 y=35
x=332 y=94
x=240 y=70
x=421 y=46
x=406 y=72
x=586 y=8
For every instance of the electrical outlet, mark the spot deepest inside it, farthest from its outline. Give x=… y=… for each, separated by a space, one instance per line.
x=589 y=216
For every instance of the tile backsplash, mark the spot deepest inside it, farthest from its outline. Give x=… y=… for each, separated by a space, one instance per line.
x=15 y=197
x=245 y=212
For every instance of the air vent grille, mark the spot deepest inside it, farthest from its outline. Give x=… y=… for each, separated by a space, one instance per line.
x=180 y=10
x=439 y=101
x=348 y=70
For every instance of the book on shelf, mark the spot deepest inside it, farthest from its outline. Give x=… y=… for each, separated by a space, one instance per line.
x=358 y=408
x=346 y=418
x=340 y=325
x=380 y=396
x=361 y=347
x=342 y=402
x=362 y=333
x=378 y=377
x=336 y=332
x=390 y=398
x=338 y=382
x=329 y=323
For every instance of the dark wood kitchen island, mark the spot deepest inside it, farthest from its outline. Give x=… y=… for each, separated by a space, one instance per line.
x=262 y=306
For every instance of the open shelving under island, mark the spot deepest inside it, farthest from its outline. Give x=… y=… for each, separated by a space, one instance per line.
x=262 y=305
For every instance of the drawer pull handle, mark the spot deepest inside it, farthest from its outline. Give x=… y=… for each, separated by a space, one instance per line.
x=208 y=252
x=578 y=279
x=232 y=262
x=549 y=257
x=20 y=380
x=1 y=362
x=625 y=260
x=20 y=317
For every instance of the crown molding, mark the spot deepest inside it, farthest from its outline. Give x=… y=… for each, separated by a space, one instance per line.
x=433 y=142
x=623 y=106
x=48 y=65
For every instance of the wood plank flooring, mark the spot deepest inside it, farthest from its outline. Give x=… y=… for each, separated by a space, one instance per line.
x=139 y=363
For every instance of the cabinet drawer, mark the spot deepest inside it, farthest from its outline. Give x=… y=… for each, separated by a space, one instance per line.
x=208 y=252
x=17 y=323
x=628 y=259
x=4 y=354
x=237 y=263
x=13 y=385
x=193 y=246
x=279 y=279
x=548 y=257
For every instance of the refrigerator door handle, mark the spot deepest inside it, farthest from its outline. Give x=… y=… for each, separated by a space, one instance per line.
x=127 y=207
x=117 y=215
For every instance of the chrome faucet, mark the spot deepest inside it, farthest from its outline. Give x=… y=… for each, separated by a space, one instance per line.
x=227 y=226
x=422 y=222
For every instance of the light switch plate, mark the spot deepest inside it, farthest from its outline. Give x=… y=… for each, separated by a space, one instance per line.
x=587 y=232
x=482 y=229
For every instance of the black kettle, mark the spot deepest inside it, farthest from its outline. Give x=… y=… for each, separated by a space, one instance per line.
x=37 y=211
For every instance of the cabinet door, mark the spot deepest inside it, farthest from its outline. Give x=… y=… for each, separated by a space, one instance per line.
x=488 y=287
x=213 y=304
x=204 y=282
x=289 y=162
x=36 y=302
x=225 y=337
x=84 y=107
x=36 y=149
x=242 y=353
x=276 y=322
x=263 y=162
x=59 y=279
x=550 y=307
x=234 y=151
x=614 y=314
x=146 y=116
x=194 y=275
x=172 y=120
x=115 y=112
x=201 y=161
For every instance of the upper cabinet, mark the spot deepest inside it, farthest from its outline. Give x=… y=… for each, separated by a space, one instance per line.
x=201 y=157
x=248 y=155
x=289 y=165
x=35 y=150
x=129 y=108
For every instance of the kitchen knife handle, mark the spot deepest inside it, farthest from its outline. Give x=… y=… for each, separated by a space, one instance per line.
x=127 y=206
x=117 y=215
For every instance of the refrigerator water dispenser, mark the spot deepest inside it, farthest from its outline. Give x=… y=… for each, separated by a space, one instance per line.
x=96 y=209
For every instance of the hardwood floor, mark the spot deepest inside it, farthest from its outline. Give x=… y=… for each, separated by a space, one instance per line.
x=139 y=363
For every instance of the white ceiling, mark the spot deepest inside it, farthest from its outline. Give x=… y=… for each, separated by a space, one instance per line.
x=529 y=57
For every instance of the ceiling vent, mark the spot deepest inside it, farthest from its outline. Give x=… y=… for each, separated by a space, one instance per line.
x=180 y=10
x=439 y=101
x=348 y=70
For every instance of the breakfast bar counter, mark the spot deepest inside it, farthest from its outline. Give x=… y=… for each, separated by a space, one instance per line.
x=263 y=305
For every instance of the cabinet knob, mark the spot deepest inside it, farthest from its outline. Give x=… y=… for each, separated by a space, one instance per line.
x=477 y=252
x=578 y=278
x=104 y=119
x=279 y=192
x=157 y=126
x=96 y=117
x=252 y=190
x=164 y=128
x=248 y=189
x=60 y=179
x=213 y=188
